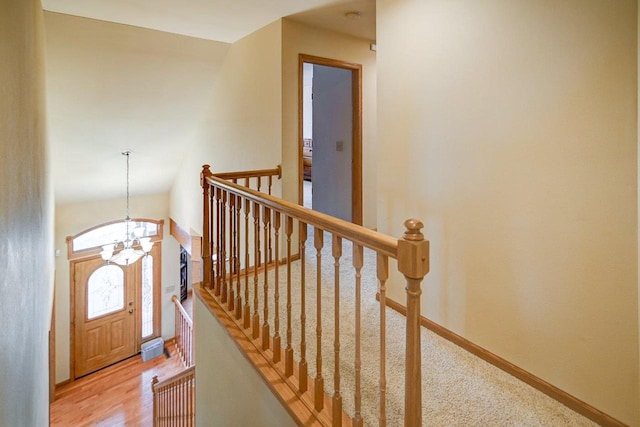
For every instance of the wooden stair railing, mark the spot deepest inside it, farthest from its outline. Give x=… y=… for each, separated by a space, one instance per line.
x=249 y=234
x=183 y=333
x=174 y=400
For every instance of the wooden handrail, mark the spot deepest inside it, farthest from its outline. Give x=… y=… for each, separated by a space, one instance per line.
x=371 y=239
x=277 y=171
x=184 y=313
x=174 y=402
x=236 y=214
x=168 y=382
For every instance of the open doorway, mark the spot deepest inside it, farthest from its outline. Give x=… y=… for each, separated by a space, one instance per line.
x=330 y=137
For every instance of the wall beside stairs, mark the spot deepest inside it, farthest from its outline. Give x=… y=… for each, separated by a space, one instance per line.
x=26 y=218
x=510 y=129
x=242 y=126
x=229 y=391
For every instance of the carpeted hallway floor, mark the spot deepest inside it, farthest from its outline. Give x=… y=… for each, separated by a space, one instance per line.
x=458 y=388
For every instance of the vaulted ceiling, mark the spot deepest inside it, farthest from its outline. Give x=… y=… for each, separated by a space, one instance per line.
x=109 y=88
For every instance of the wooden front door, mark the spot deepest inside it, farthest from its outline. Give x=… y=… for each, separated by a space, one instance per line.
x=104 y=319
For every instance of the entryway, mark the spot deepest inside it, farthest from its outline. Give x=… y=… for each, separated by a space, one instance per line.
x=330 y=137
x=114 y=308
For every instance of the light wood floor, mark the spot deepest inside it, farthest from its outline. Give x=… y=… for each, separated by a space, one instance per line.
x=119 y=395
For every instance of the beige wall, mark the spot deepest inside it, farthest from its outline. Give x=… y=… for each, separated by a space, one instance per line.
x=242 y=127
x=72 y=219
x=299 y=38
x=26 y=219
x=230 y=391
x=510 y=129
x=112 y=87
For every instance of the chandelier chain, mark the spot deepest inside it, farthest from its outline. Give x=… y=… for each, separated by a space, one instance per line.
x=126 y=252
x=126 y=153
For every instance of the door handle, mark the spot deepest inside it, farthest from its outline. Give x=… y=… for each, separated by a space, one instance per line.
x=131 y=310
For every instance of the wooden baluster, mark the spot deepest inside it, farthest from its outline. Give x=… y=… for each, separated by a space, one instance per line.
x=258 y=183
x=336 y=248
x=214 y=237
x=288 y=352
x=183 y=340
x=192 y=406
x=319 y=380
x=232 y=251
x=357 y=264
x=269 y=251
x=185 y=397
x=413 y=262
x=223 y=248
x=219 y=258
x=176 y=314
x=302 y=367
x=188 y=403
x=383 y=275
x=178 y=328
x=238 y=229
x=246 y=316
x=256 y=260
x=178 y=322
x=161 y=407
x=276 y=297
x=206 y=231
x=176 y=397
x=266 y=220
x=270 y=183
x=164 y=407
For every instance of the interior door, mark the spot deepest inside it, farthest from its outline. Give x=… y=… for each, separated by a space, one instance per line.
x=104 y=319
x=332 y=141
x=332 y=118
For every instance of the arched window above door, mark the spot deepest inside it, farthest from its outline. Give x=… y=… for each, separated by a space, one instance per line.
x=89 y=242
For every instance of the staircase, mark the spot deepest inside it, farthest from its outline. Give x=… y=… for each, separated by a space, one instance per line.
x=174 y=402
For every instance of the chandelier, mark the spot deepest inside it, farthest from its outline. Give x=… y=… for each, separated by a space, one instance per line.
x=134 y=245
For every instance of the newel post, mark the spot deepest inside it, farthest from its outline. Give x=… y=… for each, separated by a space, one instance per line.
x=413 y=262
x=155 y=381
x=206 y=228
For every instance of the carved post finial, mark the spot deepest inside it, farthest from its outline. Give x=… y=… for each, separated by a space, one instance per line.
x=206 y=171
x=412 y=232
